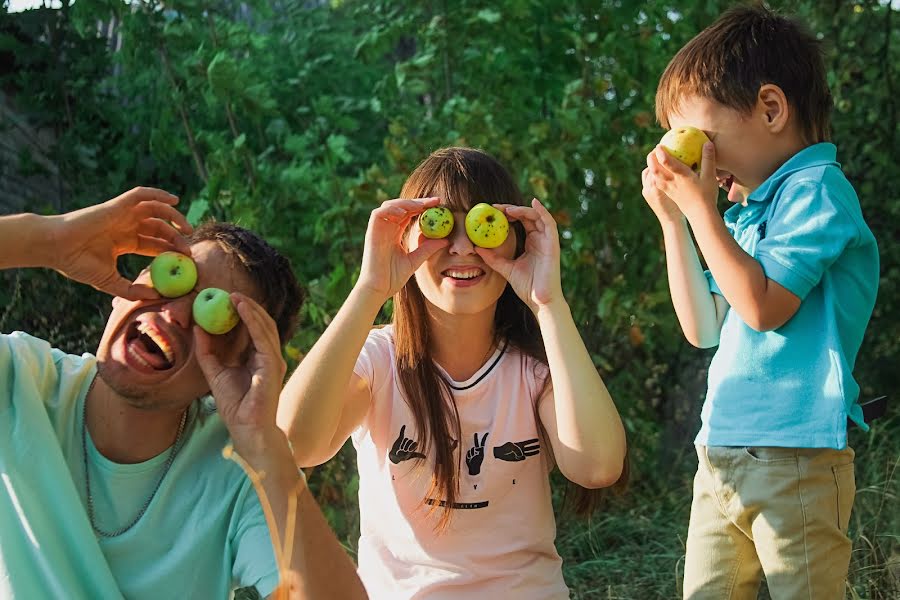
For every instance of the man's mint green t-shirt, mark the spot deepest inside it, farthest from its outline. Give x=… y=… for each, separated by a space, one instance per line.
x=202 y=535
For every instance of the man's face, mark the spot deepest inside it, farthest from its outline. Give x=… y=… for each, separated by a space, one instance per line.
x=147 y=354
x=744 y=158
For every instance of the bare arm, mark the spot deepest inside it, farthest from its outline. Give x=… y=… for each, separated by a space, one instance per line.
x=323 y=401
x=761 y=302
x=311 y=562
x=317 y=566
x=83 y=245
x=579 y=415
x=694 y=303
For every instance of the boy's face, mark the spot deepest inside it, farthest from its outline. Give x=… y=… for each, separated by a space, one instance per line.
x=744 y=157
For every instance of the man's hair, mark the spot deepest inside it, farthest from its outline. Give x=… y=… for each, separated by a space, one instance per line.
x=269 y=271
x=746 y=48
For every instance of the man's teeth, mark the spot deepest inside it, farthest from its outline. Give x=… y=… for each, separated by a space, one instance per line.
x=158 y=340
x=463 y=274
x=137 y=357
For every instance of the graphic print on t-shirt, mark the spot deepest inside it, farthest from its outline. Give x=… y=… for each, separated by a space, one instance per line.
x=516 y=451
x=403 y=448
x=475 y=456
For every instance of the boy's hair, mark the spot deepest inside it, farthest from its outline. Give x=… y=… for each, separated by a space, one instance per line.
x=746 y=48
x=269 y=271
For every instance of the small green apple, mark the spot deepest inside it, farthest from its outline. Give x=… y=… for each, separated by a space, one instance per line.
x=486 y=226
x=173 y=274
x=214 y=312
x=436 y=222
x=685 y=144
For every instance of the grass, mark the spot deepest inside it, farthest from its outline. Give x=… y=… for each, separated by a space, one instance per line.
x=634 y=548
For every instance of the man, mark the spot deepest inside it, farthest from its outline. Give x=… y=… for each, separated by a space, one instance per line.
x=112 y=476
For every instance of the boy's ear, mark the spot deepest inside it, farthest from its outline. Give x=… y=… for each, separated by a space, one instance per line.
x=772 y=106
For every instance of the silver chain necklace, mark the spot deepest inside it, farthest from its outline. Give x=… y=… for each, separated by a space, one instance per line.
x=87 y=474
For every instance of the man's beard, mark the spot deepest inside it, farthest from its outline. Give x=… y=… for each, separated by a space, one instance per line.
x=136 y=397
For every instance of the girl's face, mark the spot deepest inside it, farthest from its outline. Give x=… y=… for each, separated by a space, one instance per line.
x=455 y=279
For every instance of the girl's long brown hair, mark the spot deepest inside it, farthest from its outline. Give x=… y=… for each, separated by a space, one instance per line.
x=461 y=177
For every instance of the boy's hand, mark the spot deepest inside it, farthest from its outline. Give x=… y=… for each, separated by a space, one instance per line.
x=85 y=244
x=692 y=193
x=666 y=210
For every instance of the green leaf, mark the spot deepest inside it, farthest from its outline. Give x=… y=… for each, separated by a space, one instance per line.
x=488 y=16
x=199 y=209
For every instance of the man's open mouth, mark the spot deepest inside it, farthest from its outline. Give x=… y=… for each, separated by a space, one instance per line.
x=147 y=346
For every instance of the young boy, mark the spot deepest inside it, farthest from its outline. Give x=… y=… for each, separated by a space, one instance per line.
x=793 y=273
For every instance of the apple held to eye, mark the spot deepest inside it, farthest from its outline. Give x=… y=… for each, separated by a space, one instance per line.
x=486 y=226
x=173 y=274
x=685 y=144
x=214 y=312
x=436 y=222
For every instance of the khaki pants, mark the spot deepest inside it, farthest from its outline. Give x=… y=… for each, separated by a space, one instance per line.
x=782 y=512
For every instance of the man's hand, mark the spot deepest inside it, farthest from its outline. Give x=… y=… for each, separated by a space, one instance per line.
x=85 y=244
x=246 y=394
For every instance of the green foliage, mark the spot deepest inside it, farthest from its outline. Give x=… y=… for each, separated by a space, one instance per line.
x=297 y=119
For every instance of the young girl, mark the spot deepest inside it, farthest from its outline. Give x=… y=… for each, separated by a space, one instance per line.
x=459 y=409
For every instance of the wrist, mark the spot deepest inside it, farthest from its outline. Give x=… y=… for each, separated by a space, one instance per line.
x=261 y=447
x=701 y=210
x=552 y=310
x=367 y=298
x=673 y=224
x=42 y=239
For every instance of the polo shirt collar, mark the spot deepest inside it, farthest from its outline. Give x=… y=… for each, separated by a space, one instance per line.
x=817 y=155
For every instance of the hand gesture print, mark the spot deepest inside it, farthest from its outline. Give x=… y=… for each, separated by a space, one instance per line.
x=403 y=448
x=517 y=451
x=475 y=456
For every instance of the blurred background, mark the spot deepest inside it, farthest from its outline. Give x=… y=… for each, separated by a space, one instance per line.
x=296 y=119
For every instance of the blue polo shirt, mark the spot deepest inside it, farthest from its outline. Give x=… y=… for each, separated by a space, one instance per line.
x=794 y=386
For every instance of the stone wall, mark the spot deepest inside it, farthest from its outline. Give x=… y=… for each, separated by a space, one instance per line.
x=29 y=180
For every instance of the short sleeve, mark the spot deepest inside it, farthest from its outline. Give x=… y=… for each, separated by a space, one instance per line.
x=374 y=362
x=26 y=363
x=807 y=232
x=254 y=558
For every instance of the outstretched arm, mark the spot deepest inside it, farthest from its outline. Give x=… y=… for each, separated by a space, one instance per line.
x=84 y=244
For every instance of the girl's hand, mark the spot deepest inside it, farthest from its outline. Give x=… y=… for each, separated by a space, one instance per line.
x=534 y=275
x=386 y=264
x=87 y=242
x=692 y=193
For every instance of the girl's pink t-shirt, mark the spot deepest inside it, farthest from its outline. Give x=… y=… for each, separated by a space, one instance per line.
x=500 y=540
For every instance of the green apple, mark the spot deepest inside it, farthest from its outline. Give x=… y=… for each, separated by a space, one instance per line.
x=173 y=274
x=685 y=144
x=486 y=226
x=214 y=312
x=436 y=222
